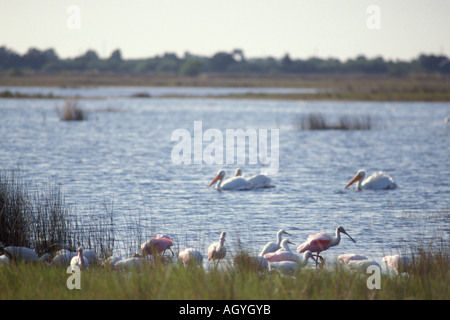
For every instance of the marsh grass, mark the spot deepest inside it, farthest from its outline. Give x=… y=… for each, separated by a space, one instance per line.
x=316 y=121
x=427 y=280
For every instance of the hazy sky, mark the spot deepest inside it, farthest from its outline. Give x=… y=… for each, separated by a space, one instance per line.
x=261 y=28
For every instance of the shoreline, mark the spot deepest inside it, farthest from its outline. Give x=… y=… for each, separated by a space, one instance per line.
x=338 y=87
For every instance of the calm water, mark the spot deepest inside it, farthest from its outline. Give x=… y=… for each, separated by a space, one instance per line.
x=122 y=155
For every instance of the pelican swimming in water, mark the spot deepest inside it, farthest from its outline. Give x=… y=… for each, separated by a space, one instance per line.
x=234 y=183
x=258 y=181
x=377 y=181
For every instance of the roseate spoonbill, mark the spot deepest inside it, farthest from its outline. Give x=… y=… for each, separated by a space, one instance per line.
x=282 y=254
x=291 y=267
x=235 y=183
x=25 y=254
x=274 y=246
x=322 y=241
x=191 y=256
x=377 y=181
x=258 y=181
x=347 y=257
x=79 y=260
x=217 y=251
x=398 y=262
x=156 y=245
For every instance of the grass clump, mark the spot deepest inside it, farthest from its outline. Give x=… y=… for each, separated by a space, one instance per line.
x=71 y=111
x=316 y=121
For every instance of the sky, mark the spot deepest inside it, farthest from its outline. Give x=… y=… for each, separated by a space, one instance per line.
x=343 y=29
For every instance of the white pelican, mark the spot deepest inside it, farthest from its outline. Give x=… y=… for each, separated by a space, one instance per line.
x=190 y=256
x=234 y=183
x=79 y=260
x=273 y=246
x=290 y=267
x=258 y=181
x=377 y=181
x=217 y=251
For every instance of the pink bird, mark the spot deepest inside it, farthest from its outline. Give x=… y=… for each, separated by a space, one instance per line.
x=156 y=245
x=282 y=254
x=322 y=241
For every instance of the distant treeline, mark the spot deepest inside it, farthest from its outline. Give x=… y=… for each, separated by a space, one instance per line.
x=47 y=61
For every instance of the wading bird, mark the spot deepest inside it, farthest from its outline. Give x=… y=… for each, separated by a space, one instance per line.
x=377 y=181
x=322 y=241
x=258 y=181
x=282 y=254
x=399 y=262
x=291 y=267
x=234 y=183
x=79 y=260
x=156 y=245
x=217 y=251
x=347 y=257
x=274 y=246
x=25 y=254
x=190 y=256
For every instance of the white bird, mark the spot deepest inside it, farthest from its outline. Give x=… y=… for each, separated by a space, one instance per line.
x=377 y=181
x=283 y=254
x=90 y=255
x=217 y=251
x=111 y=261
x=234 y=183
x=79 y=260
x=258 y=181
x=25 y=254
x=362 y=265
x=347 y=257
x=190 y=256
x=129 y=263
x=4 y=260
x=274 y=246
x=398 y=262
x=290 y=267
x=63 y=257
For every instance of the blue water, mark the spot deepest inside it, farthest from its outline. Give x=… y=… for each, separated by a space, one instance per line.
x=122 y=156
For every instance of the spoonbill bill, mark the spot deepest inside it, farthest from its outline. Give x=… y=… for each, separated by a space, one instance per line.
x=258 y=181
x=274 y=246
x=217 y=250
x=156 y=245
x=234 y=183
x=322 y=241
x=377 y=181
x=347 y=257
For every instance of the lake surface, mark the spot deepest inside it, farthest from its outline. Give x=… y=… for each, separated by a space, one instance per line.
x=121 y=155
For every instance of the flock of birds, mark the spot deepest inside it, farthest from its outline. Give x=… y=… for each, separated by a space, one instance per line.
x=376 y=181
x=274 y=256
